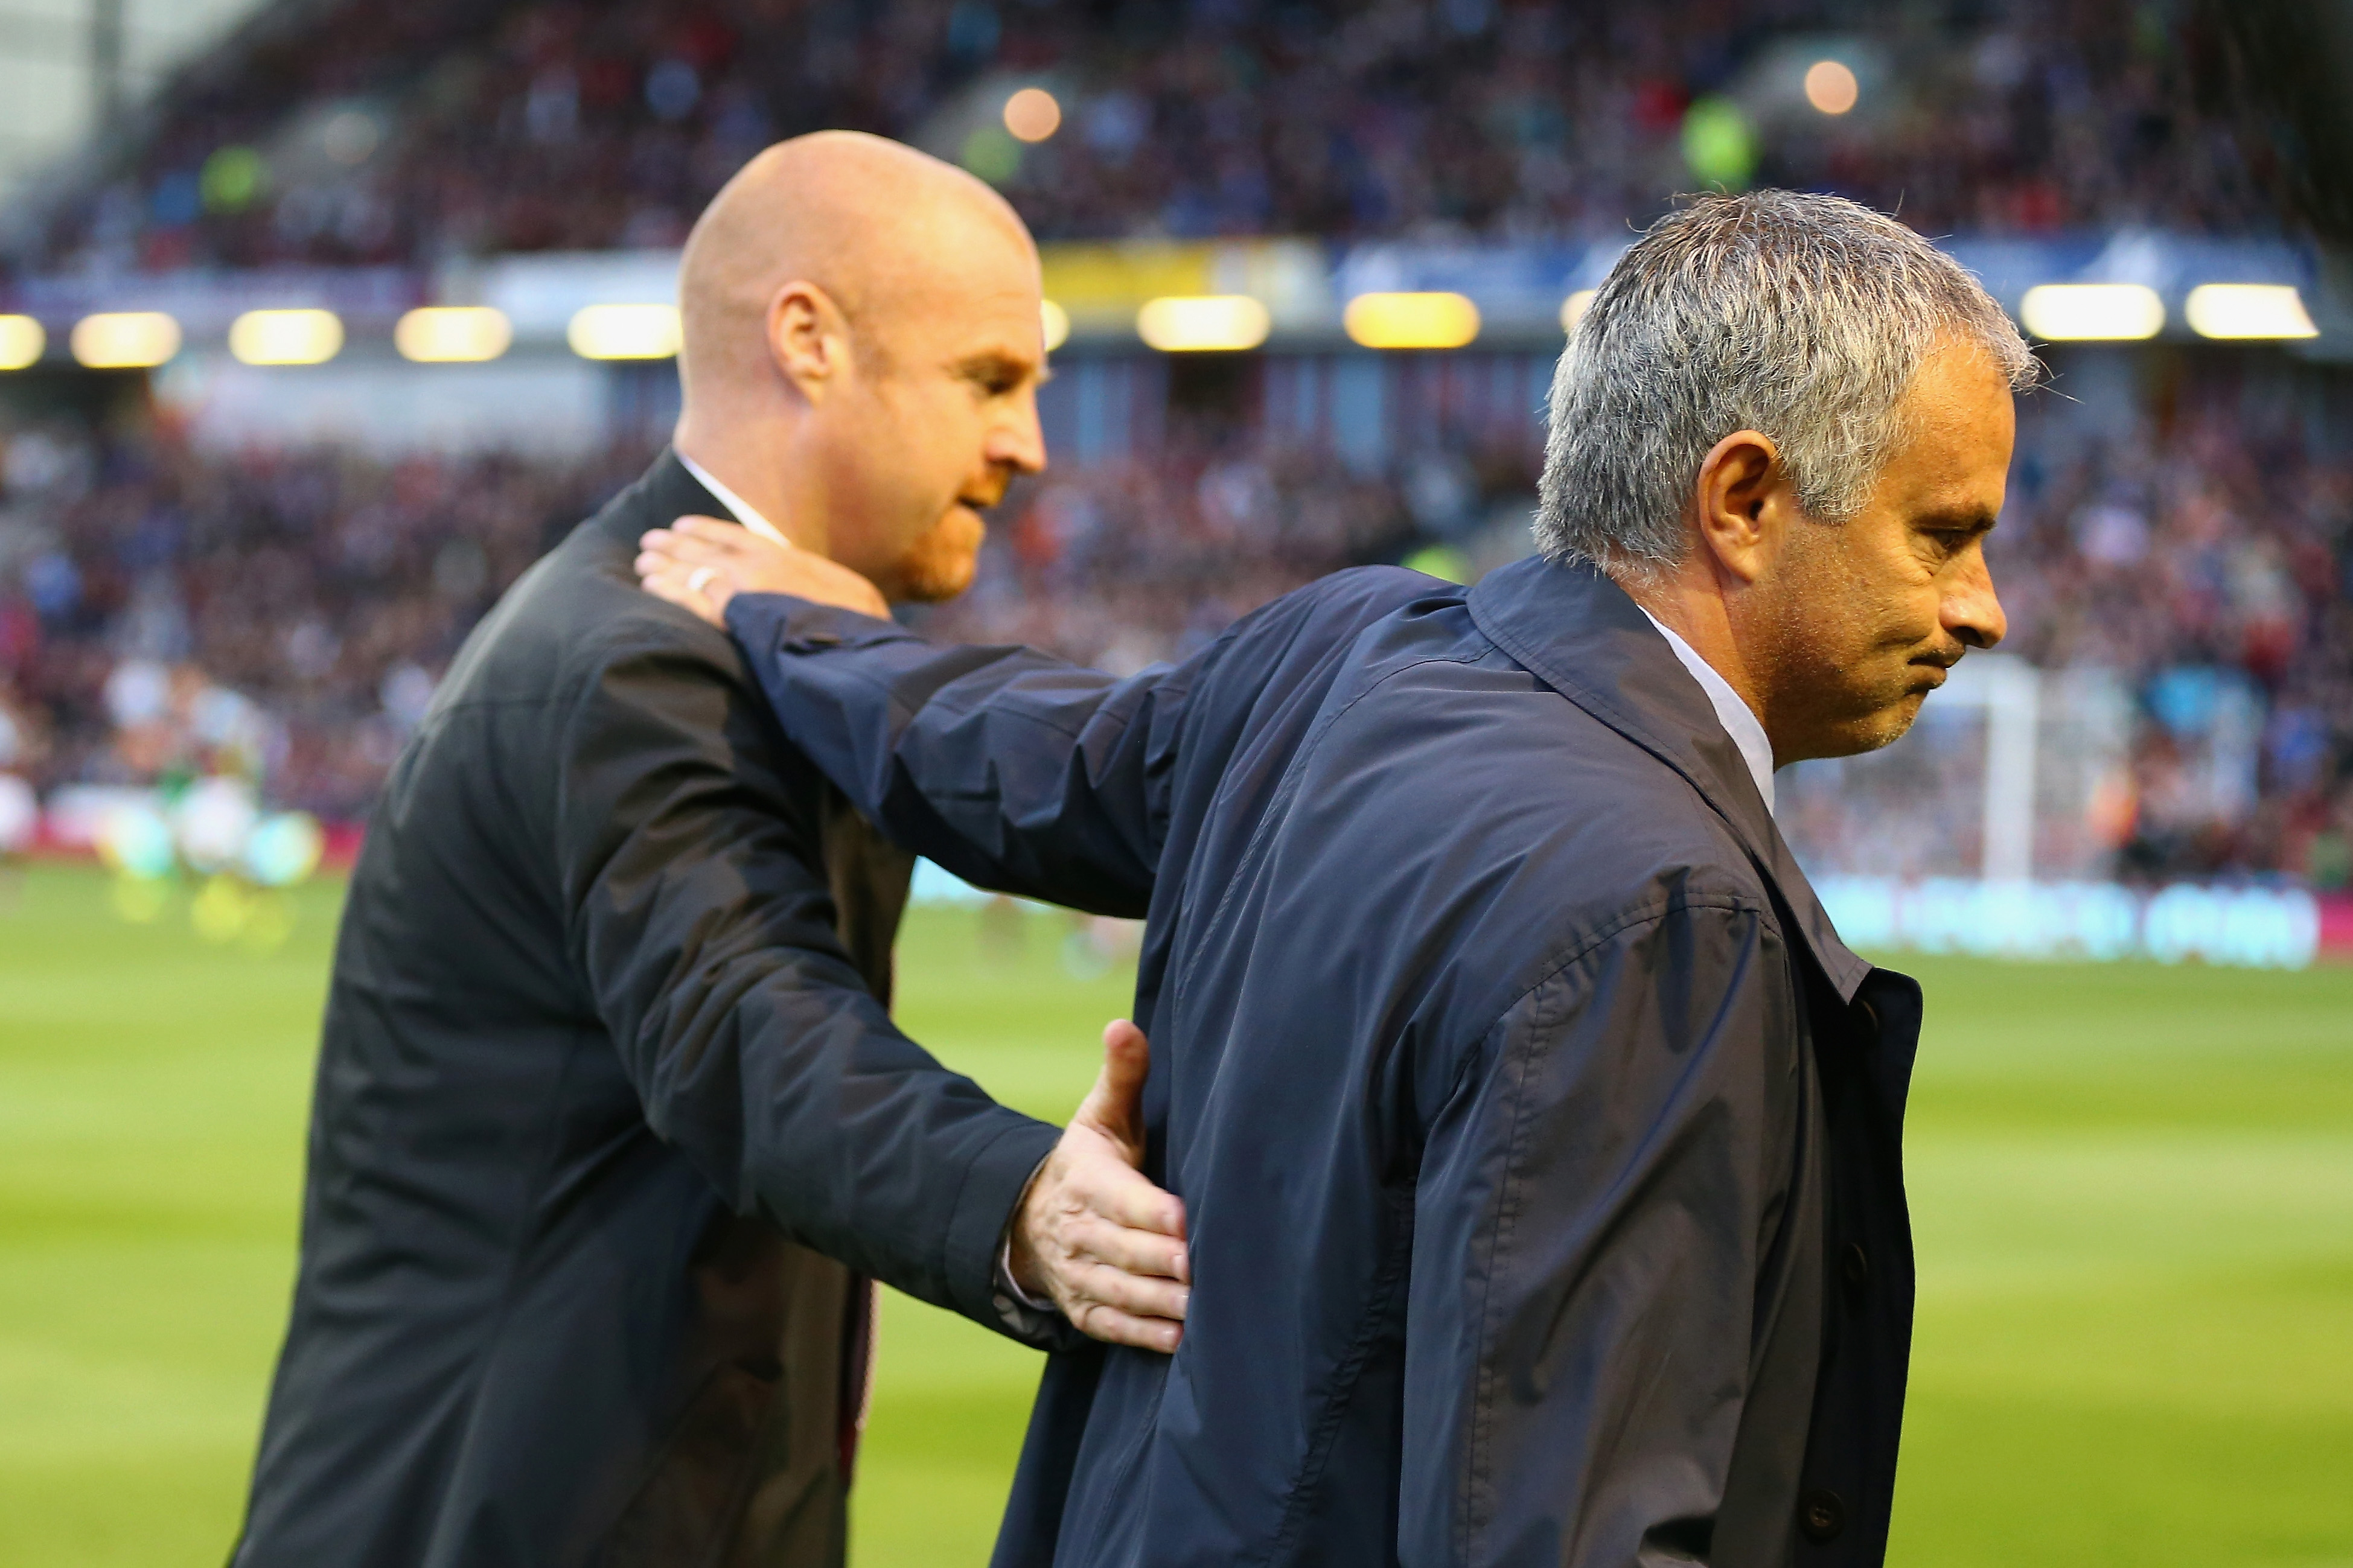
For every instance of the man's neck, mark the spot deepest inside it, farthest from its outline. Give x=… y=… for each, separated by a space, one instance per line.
x=746 y=467
x=1689 y=600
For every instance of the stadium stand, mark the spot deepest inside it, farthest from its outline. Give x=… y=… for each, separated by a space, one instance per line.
x=167 y=599
x=351 y=133
x=330 y=588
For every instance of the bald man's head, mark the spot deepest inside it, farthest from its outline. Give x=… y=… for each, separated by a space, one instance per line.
x=882 y=228
x=863 y=346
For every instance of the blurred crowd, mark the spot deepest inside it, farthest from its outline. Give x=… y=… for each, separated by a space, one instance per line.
x=360 y=133
x=2206 y=558
x=279 y=618
x=160 y=612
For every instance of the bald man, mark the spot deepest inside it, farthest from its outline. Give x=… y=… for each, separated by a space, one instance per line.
x=612 y=1131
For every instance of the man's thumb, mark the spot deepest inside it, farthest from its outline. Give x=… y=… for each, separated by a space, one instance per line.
x=1115 y=1105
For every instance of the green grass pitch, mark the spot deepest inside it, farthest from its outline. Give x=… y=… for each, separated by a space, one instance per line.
x=2133 y=1190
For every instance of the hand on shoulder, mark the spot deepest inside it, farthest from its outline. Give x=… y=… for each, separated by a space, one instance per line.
x=701 y=563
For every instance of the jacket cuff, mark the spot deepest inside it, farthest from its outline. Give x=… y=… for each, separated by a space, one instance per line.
x=993 y=1189
x=786 y=624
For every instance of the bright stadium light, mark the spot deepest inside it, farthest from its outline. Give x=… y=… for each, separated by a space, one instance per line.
x=1830 y=86
x=22 y=342
x=1430 y=321
x=1573 y=309
x=625 y=332
x=2248 y=311
x=1190 y=324
x=286 y=337
x=1032 y=115
x=2086 y=312
x=452 y=334
x=125 y=339
x=1056 y=322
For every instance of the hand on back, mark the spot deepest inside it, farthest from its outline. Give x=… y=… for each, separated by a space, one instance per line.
x=1093 y=1232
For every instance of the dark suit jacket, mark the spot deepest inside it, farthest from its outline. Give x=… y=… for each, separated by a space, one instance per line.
x=609 y=1119
x=1541 y=1140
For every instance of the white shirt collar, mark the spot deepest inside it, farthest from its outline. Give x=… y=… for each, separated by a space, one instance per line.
x=1739 y=721
x=735 y=503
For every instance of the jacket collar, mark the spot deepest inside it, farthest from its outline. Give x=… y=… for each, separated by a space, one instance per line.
x=1579 y=632
x=663 y=493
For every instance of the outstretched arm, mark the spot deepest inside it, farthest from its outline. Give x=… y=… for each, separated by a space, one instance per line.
x=1012 y=768
x=700 y=916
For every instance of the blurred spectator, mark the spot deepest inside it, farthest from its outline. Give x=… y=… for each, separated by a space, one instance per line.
x=355 y=133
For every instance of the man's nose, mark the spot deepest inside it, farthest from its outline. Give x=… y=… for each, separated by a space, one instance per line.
x=1972 y=611
x=1018 y=442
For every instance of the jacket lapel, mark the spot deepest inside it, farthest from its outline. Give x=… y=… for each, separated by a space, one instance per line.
x=1581 y=635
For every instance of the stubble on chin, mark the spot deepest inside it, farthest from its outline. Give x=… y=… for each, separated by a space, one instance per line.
x=940 y=564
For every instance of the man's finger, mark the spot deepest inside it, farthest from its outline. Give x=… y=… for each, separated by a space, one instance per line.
x=686 y=548
x=707 y=527
x=1124 y=1247
x=677 y=586
x=1129 y=1293
x=1110 y=1324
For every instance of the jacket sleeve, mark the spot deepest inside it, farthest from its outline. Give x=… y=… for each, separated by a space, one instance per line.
x=1012 y=768
x=700 y=912
x=1598 y=1198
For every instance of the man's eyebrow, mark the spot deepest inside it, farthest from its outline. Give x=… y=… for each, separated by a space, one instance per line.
x=990 y=362
x=1958 y=519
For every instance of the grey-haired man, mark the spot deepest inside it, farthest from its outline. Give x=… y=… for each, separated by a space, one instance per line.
x=1541 y=1140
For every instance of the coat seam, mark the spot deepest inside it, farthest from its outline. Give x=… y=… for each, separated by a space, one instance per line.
x=1277 y=807
x=1497 y=1250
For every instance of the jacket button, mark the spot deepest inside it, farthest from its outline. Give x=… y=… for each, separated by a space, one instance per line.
x=1821 y=1514
x=1854 y=1265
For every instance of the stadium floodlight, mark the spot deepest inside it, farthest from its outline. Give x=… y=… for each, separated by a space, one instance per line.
x=1830 y=87
x=2248 y=311
x=625 y=332
x=2089 y=312
x=1193 y=323
x=1573 y=309
x=1056 y=322
x=22 y=342
x=125 y=339
x=286 y=337
x=452 y=334
x=1429 y=321
x=1032 y=115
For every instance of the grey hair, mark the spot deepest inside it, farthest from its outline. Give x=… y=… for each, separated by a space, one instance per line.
x=1804 y=318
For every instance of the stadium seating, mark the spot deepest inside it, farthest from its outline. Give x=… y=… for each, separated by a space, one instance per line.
x=354 y=132
x=2197 y=552
x=331 y=588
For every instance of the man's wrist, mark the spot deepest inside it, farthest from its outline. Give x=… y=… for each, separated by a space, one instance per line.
x=1012 y=1298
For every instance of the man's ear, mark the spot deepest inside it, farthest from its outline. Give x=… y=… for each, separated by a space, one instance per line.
x=1740 y=496
x=808 y=338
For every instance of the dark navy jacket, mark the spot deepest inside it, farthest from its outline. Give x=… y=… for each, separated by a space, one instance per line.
x=1541 y=1140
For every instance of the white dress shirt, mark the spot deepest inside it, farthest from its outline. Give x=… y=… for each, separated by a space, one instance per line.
x=741 y=509
x=1739 y=721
